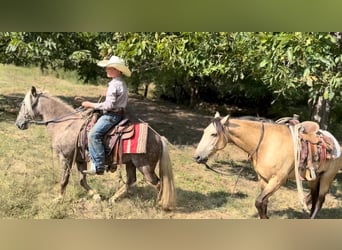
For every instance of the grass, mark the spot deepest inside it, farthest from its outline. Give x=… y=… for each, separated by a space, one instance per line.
x=30 y=172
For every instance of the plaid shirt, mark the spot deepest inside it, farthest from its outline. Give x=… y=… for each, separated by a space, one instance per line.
x=116 y=96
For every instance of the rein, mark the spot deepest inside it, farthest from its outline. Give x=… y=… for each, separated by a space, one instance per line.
x=220 y=172
x=59 y=119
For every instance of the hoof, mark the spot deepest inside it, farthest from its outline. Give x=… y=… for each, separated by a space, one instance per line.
x=111 y=168
x=92 y=192
x=97 y=198
x=83 y=199
x=111 y=201
x=94 y=195
x=59 y=199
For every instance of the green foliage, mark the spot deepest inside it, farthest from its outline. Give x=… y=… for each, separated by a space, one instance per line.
x=184 y=64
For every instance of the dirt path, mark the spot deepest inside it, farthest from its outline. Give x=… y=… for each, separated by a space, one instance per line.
x=180 y=126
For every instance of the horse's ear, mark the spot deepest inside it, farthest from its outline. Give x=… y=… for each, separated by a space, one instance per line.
x=217 y=114
x=224 y=120
x=33 y=91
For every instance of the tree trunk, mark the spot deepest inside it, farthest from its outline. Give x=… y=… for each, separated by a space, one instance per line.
x=146 y=89
x=320 y=112
x=193 y=97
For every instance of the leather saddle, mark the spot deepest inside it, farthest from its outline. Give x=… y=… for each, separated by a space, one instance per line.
x=112 y=140
x=316 y=147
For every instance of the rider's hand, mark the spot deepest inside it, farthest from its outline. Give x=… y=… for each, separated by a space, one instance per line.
x=87 y=104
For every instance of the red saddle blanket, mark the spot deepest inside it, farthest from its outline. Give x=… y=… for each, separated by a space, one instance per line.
x=137 y=143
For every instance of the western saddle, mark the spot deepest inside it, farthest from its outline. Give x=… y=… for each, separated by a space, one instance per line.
x=316 y=146
x=113 y=140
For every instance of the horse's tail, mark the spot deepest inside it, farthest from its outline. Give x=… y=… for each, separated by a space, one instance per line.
x=167 y=194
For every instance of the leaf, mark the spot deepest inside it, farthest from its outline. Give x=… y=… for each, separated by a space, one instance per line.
x=306 y=73
x=289 y=55
x=331 y=95
x=309 y=82
x=263 y=63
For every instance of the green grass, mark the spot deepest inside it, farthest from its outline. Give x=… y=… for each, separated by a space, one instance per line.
x=30 y=172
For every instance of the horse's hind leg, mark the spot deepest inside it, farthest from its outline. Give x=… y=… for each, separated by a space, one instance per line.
x=130 y=181
x=324 y=183
x=150 y=176
x=314 y=191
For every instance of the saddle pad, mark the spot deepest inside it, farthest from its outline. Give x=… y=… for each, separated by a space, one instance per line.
x=137 y=143
x=337 y=150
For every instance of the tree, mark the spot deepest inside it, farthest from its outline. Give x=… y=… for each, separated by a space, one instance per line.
x=296 y=62
x=185 y=66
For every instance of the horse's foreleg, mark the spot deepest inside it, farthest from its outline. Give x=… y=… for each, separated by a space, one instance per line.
x=267 y=189
x=83 y=181
x=83 y=178
x=65 y=180
x=130 y=181
x=65 y=177
x=261 y=205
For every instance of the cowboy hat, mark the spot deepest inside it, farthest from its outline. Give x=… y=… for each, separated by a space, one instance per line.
x=117 y=63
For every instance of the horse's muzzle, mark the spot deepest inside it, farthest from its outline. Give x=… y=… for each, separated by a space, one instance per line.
x=22 y=124
x=199 y=159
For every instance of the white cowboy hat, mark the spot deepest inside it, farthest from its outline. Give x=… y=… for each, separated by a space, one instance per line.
x=116 y=62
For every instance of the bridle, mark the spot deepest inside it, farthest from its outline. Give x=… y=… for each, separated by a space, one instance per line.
x=219 y=133
x=30 y=119
x=222 y=133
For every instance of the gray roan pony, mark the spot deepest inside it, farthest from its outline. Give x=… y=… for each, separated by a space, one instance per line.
x=271 y=149
x=64 y=123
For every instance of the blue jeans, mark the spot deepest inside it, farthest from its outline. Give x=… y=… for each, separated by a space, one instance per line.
x=95 y=138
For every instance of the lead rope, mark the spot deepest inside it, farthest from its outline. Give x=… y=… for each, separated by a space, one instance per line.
x=296 y=150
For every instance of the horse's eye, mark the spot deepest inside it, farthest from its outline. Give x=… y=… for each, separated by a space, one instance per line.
x=214 y=135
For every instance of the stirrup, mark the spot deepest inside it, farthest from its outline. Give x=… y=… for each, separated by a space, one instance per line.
x=311 y=174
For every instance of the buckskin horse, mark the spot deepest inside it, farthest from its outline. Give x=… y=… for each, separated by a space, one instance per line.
x=270 y=147
x=63 y=124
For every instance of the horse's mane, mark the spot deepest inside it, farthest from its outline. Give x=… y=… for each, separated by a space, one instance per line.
x=28 y=101
x=58 y=100
x=255 y=118
x=218 y=126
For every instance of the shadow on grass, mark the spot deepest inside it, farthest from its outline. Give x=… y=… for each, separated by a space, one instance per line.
x=187 y=201
x=325 y=213
x=245 y=170
x=178 y=126
x=10 y=104
x=192 y=201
